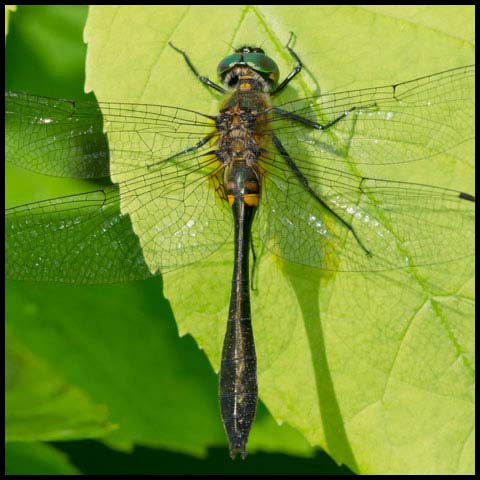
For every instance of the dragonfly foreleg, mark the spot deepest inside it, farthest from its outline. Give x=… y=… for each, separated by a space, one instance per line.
x=296 y=70
x=203 y=79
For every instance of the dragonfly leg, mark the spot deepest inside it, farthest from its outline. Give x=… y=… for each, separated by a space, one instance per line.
x=296 y=70
x=311 y=123
x=467 y=196
x=203 y=79
x=253 y=281
x=303 y=180
x=199 y=144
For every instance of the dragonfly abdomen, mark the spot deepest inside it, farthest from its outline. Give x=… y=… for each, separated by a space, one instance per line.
x=238 y=376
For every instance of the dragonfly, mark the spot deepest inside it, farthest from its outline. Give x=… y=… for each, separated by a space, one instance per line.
x=288 y=174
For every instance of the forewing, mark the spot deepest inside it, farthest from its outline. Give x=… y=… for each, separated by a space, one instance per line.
x=394 y=124
x=66 y=138
x=55 y=137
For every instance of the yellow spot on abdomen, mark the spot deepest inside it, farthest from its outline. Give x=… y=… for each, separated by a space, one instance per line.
x=251 y=199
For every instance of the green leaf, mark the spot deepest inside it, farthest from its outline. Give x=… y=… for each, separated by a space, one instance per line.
x=36 y=459
x=8 y=10
x=50 y=39
x=377 y=369
x=40 y=405
x=125 y=355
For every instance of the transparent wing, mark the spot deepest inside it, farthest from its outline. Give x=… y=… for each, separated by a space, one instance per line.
x=169 y=200
x=55 y=137
x=369 y=224
x=86 y=239
x=392 y=224
x=75 y=239
x=66 y=138
x=385 y=125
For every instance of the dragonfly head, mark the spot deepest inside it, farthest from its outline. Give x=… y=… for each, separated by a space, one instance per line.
x=253 y=58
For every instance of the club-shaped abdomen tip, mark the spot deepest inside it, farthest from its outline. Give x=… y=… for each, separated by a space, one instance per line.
x=237 y=445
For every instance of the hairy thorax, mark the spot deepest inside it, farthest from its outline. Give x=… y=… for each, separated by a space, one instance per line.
x=243 y=127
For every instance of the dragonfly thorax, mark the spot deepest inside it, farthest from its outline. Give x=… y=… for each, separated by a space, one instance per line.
x=239 y=137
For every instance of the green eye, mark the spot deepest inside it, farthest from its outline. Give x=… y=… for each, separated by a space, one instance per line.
x=255 y=60
x=228 y=62
x=262 y=64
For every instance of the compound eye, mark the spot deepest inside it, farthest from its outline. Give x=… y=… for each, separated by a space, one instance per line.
x=263 y=65
x=228 y=63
